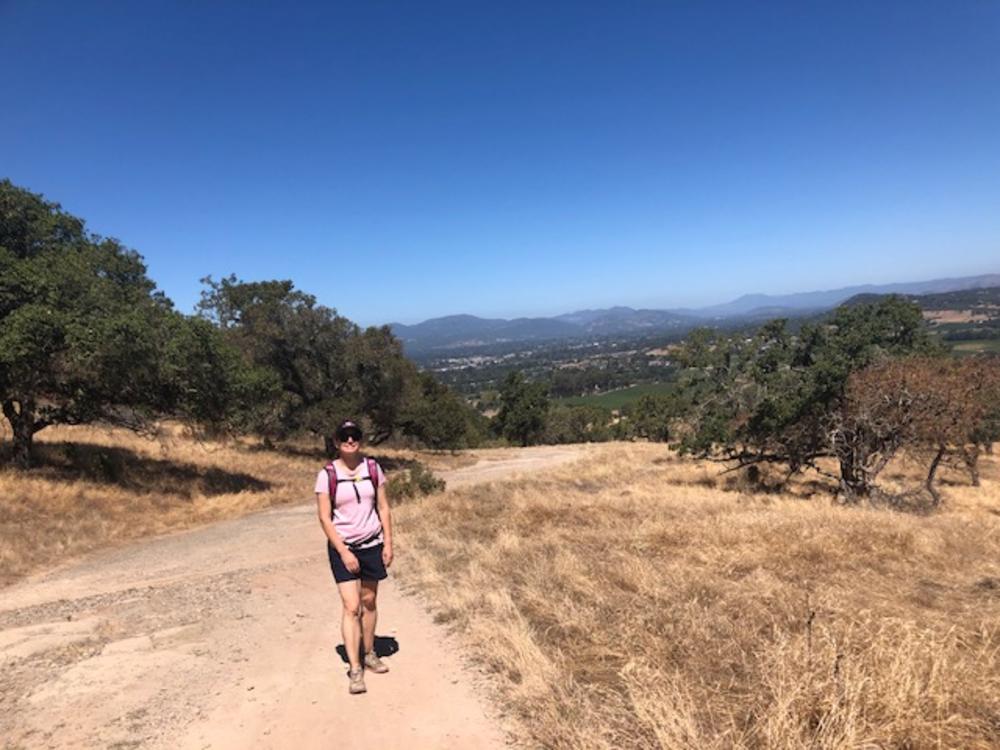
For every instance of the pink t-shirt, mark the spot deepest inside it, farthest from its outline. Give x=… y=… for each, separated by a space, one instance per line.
x=354 y=515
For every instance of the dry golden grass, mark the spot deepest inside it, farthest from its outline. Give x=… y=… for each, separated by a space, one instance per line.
x=955 y=316
x=98 y=486
x=642 y=601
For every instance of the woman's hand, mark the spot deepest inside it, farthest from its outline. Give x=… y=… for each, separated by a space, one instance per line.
x=387 y=555
x=350 y=561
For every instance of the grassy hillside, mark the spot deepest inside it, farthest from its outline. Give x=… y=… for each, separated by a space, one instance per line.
x=678 y=609
x=963 y=347
x=966 y=299
x=94 y=487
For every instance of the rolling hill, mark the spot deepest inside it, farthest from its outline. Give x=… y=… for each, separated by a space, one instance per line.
x=468 y=331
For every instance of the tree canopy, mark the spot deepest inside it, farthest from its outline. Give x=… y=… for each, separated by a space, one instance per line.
x=777 y=397
x=84 y=335
x=323 y=368
x=523 y=410
x=440 y=418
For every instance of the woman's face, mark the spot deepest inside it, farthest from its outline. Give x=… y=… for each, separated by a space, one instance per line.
x=350 y=444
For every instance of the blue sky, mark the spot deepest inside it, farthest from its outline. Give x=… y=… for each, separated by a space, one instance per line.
x=408 y=160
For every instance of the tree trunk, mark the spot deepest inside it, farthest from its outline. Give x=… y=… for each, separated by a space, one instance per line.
x=853 y=481
x=329 y=446
x=379 y=437
x=21 y=416
x=930 y=476
x=971 y=457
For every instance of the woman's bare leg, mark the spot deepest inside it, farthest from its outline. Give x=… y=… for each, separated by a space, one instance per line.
x=369 y=614
x=350 y=625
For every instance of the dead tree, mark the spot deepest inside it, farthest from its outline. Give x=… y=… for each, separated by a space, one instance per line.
x=929 y=407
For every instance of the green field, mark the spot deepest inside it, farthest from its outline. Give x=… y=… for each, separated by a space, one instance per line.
x=618 y=399
x=975 y=346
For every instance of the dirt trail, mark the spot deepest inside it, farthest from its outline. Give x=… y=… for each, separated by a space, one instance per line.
x=224 y=637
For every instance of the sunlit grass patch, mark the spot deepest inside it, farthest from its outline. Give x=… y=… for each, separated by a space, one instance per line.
x=95 y=486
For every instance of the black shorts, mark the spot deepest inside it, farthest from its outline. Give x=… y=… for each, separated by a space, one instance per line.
x=370 y=558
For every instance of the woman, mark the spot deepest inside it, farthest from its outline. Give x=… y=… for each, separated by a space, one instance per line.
x=354 y=512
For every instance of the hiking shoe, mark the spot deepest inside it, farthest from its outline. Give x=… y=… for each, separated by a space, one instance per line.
x=375 y=664
x=356 y=681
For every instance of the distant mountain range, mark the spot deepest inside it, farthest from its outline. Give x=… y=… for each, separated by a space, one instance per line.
x=468 y=331
x=755 y=305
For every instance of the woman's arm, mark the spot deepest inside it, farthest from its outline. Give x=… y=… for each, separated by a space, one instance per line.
x=385 y=516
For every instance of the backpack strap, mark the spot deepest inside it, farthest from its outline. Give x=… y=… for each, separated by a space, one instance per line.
x=331 y=482
x=372 y=471
x=373 y=476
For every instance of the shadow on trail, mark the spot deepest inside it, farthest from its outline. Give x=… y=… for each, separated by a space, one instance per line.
x=126 y=469
x=385 y=645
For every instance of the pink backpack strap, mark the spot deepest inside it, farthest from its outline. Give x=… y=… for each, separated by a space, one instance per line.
x=331 y=482
x=372 y=471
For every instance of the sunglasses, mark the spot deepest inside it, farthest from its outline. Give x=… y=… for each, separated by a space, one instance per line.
x=350 y=437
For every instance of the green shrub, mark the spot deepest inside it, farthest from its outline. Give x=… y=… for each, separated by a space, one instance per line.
x=416 y=481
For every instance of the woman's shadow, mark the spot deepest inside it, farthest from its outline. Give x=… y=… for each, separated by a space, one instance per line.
x=384 y=646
